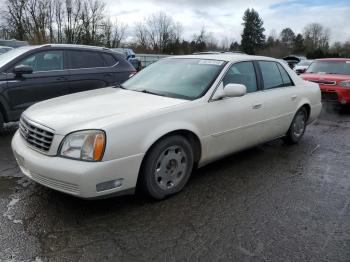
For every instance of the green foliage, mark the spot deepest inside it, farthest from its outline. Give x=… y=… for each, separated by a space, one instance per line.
x=298 y=45
x=287 y=37
x=253 y=37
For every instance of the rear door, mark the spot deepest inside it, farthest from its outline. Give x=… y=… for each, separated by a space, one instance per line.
x=89 y=70
x=279 y=99
x=48 y=80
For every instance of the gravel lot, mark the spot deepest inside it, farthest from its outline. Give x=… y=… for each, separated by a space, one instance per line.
x=270 y=203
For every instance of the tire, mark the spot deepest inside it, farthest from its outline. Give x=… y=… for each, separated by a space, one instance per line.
x=297 y=127
x=167 y=167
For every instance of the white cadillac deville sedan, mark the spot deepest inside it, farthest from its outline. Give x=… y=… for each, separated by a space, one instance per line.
x=179 y=113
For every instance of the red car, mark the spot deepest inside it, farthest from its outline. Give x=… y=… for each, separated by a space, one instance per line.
x=333 y=76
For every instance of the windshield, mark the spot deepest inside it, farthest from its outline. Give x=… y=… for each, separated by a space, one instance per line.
x=330 y=67
x=178 y=78
x=12 y=54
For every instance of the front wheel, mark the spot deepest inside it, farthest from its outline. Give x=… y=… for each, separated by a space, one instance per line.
x=297 y=128
x=167 y=167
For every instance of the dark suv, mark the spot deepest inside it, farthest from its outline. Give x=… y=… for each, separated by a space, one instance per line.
x=34 y=73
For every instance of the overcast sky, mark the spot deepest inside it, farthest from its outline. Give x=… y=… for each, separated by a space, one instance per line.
x=224 y=17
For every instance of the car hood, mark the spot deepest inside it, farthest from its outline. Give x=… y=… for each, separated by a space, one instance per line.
x=322 y=77
x=95 y=109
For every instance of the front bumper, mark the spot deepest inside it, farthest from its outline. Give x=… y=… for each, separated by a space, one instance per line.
x=335 y=94
x=75 y=177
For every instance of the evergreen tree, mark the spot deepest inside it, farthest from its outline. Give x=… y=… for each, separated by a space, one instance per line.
x=253 y=37
x=299 y=46
x=287 y=38
x=235 y=46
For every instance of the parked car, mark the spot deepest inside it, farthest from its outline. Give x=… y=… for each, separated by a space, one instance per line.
x=333 y=77
x=130 y=56
x=293 y=60
x=178 y=113
x=34 y=73
x=218 y=52
x=301 y=67
x=4 y=49
x=13 y=43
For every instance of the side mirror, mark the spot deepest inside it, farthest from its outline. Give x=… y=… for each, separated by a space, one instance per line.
x=234 y=90
x=22 y=69
x=230 y=90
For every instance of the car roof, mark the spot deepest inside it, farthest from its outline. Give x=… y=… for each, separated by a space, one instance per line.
x=73 y=46
x=228 y=57
x=333 y=59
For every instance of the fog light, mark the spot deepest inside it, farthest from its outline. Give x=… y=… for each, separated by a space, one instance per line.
x=343 y=102
x=109 y=185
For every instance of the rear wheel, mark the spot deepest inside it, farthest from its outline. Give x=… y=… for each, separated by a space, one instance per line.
x=297 y=128
x=167 y=167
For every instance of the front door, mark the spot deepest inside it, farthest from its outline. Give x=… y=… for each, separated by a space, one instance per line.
x=235 y=123
x=48 y=80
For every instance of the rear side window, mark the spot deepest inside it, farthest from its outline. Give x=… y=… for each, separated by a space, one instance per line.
x=242 y=73
x=287 y=81
x=85 y=59
x=271 y=75
x=109 y=59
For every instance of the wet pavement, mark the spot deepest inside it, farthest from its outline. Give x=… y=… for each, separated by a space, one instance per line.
x=270 y=203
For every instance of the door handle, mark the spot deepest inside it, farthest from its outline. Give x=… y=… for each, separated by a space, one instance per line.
x=294 y=97
x=108 y=75
x=257 y=106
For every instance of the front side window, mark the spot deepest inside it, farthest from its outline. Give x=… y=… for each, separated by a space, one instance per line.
x=271 y=75
x=187 y=78
x=85 y=59
x=242 y=73
x=44 y=61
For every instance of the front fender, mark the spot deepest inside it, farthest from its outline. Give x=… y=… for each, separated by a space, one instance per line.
x=170 y=127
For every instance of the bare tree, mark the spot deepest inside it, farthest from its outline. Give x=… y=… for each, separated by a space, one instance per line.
x=113 y=34
x=37 y=18
x=59 y=17
x=161 y=30
x=118 y=33
x=141 y=34
x=316 y=36
x=73 y=27
x=14 y=15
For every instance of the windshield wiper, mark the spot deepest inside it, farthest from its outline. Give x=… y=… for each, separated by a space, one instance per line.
x=120 y=86
x=149 y=92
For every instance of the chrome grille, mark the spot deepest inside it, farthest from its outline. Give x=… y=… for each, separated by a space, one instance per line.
x=35 y=136
x=324 y=82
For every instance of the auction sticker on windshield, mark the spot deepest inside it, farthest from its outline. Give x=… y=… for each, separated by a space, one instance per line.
x=211 y=62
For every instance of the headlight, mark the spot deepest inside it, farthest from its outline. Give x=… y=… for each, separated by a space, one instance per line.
x=345 y=83
x=86 y=145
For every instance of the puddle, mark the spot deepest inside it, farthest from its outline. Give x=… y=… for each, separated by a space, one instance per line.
x=9 y=212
